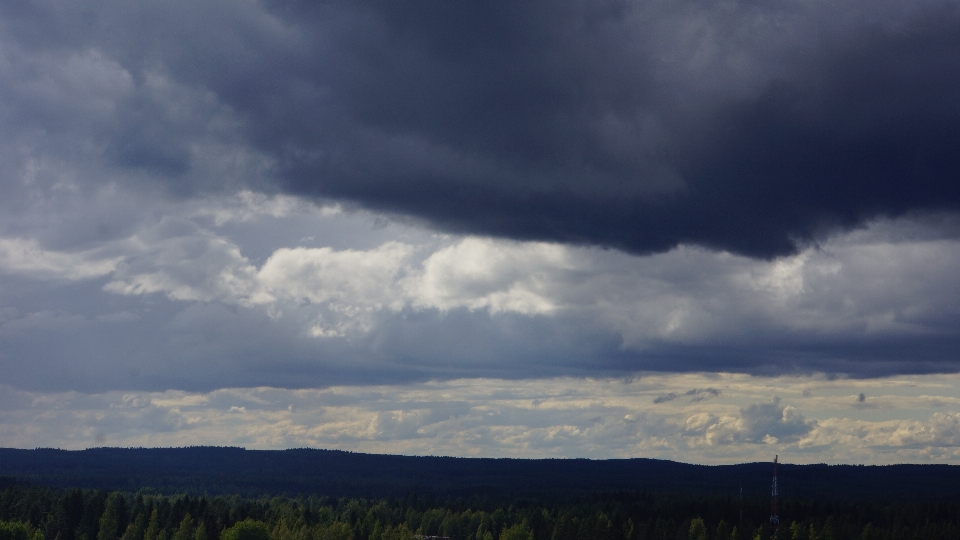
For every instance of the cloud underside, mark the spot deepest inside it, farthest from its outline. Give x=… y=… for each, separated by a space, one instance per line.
x=752 y=128
x=816 y=421
x=194 y=299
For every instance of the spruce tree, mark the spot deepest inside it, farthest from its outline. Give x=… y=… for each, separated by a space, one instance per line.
x=108 y=523
x=186 y=530
x=153 y=528
x=698 y=531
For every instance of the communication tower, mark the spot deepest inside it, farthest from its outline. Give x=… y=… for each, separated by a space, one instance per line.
x=774 y=499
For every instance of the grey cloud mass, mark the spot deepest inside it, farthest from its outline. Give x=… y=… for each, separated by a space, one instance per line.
x=773 y=420
x=221 y=198
x=695 y=395
x=201 y=297
x=750 y=127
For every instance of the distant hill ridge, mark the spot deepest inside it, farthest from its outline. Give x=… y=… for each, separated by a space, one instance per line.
x=229 y=470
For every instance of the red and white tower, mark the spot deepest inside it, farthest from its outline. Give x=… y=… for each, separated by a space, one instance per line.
x=774 y=496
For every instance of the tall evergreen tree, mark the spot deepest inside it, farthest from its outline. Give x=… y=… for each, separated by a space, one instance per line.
x=186 y=531
x=153 y=528
x=519 y=531
x=108 y=524
x=132 y=532
x=698 y=531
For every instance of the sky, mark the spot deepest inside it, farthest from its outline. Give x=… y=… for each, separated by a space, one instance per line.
x=710 y=232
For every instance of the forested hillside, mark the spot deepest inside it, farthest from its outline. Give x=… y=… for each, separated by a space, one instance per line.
x=235 y=494
x=253 y=473
x=37 y=513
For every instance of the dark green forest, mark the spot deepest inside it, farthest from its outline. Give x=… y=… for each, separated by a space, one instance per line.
x=29 y=512
x=208 y=493
x=334 y=473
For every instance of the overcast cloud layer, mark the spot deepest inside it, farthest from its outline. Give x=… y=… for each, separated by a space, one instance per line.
x=224 y=194
x=697 y=418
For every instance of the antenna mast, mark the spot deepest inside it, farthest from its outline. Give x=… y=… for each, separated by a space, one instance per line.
x=774 y=499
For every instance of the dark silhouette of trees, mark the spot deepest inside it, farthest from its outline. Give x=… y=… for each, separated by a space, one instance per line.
x=40 y=513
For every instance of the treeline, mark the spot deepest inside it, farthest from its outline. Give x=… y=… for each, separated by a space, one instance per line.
x=256 y=473
x=39 y=513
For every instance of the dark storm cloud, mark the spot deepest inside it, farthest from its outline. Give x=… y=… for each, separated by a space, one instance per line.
x=734 y=125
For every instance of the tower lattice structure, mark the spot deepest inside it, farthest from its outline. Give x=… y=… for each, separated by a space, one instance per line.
x=774 y=500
